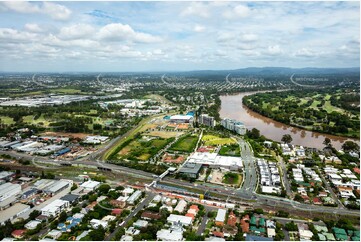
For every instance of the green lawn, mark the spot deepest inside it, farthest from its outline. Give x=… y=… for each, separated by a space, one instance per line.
x=7 y=120
x=230 y=150
x=231 y=178
x=210 y=139
x=186 y=143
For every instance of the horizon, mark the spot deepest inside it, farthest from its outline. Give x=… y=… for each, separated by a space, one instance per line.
x=59 y=37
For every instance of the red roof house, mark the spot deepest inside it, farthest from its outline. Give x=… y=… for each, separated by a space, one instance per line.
x=18 y=233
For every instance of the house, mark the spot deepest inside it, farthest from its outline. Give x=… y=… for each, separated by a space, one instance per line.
x=55 y=234
x=317 y=201
x=221 y=216
x=147 y=215
x=218 y=234
x=232 y=219
x=305 y=234
x=32 y=224
x=140 y=224
x=182 y=204
x=179 y=219
x=169 y=235
x=229 y=230
x=117 y=211
x=271 y=232
x=18 y=233
x=132 y=231
x=95 y=223
x=250 y=237
x=244 y=226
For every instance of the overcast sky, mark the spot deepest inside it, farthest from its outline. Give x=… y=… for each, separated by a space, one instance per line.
x=146 y=36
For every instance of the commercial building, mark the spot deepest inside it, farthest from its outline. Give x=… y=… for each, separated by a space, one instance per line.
x=54 y=208
x=234 y=125
x=190 y=169
x=206 y=120
x=213 y=160
x=181 y=119
x=221 y=216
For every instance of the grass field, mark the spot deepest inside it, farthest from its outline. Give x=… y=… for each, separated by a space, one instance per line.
x=210 y=139
x=231 y=178
x=141 y=149
x=186 y=144
x=230 y=150
x=164 y=134
x=158 y=98
x=7 y=120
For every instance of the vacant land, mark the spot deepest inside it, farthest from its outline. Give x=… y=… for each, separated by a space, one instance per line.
x=185 y=144
x=333 y=111
x=142 y=148
x=213 y=140
x=7 y=120
x=164 y=134
x=231 y=178
x=230 y=150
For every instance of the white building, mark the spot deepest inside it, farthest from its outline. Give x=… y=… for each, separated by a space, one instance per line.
x=234 y=125
x=8 y=190
x=134 y=197
x=213 y=160
x=95 y=223
x=90 y=185
x=182 y=204
x=221 y=216
x=207 y=120
x=54 y=208
x=179 y=219
x=181 y=119
x=169 y=235
x=32 y=224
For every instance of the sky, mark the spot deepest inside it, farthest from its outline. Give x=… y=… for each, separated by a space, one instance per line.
x=177 y=36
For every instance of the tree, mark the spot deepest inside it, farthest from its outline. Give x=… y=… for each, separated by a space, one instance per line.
x=350 y=146
x=103 y=188
x=327 y=142
x=75 y=186
x=62 y=216
x=287 y=138
x=291 y=226
x=34 y=214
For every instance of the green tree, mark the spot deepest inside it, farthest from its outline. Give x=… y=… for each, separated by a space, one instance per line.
x=287 y=138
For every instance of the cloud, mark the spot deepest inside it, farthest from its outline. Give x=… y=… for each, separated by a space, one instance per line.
x=305 y=52
x=248 y=37
x=274 y=50
x=13 y=35
x=123 y=32
x=239 y=11
x=55 y=11
x=77 y=31
x=35 y=28
x=196 y=9
x=199 y=28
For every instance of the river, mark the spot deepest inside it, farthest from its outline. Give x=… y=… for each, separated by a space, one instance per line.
x=233 y=108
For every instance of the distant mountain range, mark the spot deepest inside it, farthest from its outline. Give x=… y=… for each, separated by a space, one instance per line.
x=279 y=71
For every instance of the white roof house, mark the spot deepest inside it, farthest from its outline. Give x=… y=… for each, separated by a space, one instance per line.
x=169 y=235
x=305 y=234
x=127 y=191
x=271 y=232
x=32 y=224
x=221 y=215
x=184 y=220
x=182 y=204
x=135 y=196
x=95 y=223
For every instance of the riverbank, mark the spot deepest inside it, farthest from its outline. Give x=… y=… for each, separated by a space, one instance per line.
x=232 y=107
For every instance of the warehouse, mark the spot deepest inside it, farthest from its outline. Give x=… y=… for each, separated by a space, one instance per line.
x=90 y=185
x=13 y=212
x=8 y=192
x=57 y=187
x=213 y=160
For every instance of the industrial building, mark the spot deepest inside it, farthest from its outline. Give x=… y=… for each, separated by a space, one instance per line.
x=55 y=208
x=234 y=125
x=90 y=185
x=57 y=187
x=206 y=120
x=8 y=192
x=6 y=175
x=190 y=169
x=15 y=211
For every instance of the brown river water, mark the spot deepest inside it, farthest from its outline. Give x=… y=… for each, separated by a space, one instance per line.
x=233 y=108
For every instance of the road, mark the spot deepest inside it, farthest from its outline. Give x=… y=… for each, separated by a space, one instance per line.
x=203 y=224
x=250 y=170
x=285 y=180
x=329 y=188
x=145 y=202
